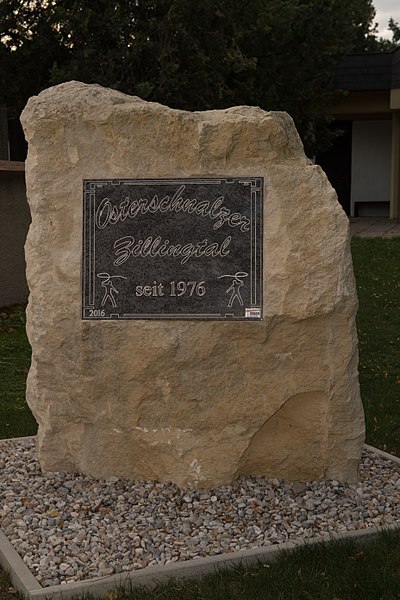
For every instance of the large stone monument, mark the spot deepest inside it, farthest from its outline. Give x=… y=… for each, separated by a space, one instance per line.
x=192 y=301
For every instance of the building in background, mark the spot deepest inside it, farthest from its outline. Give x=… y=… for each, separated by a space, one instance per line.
x=14 y=211
x=12 y=140
x=363 y=163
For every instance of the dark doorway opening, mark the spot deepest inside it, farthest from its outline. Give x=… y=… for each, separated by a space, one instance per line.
x=336 y=162
x=18 y=145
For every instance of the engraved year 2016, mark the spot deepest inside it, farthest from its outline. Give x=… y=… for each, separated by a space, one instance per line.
x=96 y=312
x=173 y=289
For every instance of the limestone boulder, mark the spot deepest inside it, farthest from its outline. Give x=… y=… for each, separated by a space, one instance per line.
x=198 y=403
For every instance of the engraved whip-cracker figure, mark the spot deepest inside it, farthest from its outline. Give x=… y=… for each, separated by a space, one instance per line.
x=109 y=287
x=236 y=284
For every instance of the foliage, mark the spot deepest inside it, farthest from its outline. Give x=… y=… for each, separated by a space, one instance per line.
x=278 y=54
x=394 y=27
x=28 y=49
x=374 y=44
x=385 y=45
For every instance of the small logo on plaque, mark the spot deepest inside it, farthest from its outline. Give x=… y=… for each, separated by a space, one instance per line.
x=172 y=249
x=252 y=313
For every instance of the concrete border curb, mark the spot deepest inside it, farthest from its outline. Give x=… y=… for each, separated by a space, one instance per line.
x=382 y=453
x=18 y=439
x=24 y=581
x=21 y=577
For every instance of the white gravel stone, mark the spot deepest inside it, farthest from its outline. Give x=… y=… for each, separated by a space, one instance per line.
x=69 y=527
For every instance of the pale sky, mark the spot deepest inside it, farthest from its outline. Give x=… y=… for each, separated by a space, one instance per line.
x=384 y=10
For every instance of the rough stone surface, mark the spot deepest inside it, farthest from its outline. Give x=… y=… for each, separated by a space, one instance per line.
x=197 y=403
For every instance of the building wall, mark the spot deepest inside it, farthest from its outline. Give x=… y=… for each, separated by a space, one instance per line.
x=14 y=224
x=370 y=170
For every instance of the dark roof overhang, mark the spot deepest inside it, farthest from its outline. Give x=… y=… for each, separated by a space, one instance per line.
x=362 y=72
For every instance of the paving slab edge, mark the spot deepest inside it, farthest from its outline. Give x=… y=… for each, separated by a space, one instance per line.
x=25 y=582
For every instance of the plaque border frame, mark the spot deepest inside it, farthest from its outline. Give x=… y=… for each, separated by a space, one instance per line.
x=88 y=280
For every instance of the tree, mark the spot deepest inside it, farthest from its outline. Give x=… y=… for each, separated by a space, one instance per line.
x=395 y=29
x=386 y=45
x=190 y=54
x=375 y=44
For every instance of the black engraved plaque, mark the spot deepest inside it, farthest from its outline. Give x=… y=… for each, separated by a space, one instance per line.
x=172 y=249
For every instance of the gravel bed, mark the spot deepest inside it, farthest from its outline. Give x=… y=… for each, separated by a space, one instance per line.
x=70 y=527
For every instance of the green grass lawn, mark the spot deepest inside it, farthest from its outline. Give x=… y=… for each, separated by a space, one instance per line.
x=335 y=571
x=6 y=590
x=15 y=355
x=377 y=270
